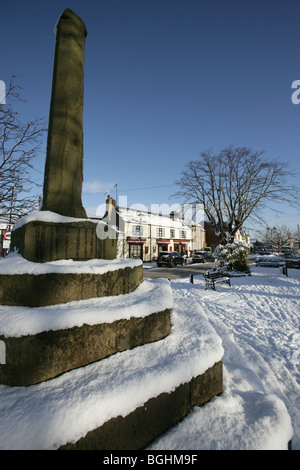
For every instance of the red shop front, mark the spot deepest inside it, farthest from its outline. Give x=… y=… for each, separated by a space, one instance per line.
x=182 y=246
x=163 y=245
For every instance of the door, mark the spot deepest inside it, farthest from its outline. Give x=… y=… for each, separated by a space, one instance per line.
x=136 y=251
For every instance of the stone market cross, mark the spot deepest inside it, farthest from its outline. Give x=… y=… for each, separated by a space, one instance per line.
x=64 y=161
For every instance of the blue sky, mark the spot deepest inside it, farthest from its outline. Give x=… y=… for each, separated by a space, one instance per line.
x=165 y=80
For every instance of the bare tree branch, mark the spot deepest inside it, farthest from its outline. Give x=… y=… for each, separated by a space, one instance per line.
x=19 y=144
x=235 y=185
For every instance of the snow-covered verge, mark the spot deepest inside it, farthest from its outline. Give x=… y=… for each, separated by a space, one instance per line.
x=258 y=321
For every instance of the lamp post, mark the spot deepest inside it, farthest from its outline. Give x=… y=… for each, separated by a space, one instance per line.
x=11 y=205
x=269 y=235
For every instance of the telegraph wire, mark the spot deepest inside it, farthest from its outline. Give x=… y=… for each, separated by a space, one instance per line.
x=147 y=188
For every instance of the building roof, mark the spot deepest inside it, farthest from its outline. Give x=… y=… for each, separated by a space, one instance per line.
x=141 y=217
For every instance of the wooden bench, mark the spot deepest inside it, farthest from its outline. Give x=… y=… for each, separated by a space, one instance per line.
x=215 y=277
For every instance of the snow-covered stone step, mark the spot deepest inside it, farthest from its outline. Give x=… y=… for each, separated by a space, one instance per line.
x=75 y=407
x=43 y=342
x=31 y=284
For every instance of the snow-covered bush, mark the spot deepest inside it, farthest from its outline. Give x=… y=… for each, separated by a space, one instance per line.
x=233 y=256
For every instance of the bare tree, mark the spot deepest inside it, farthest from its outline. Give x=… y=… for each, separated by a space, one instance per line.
x=19 y=144
x=278 y=237
x=234 y=185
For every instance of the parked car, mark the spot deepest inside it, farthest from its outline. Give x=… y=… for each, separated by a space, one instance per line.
x=209 y=258
x=198 y=257
x=170 y=259
x=269 y=261
x=202 y=257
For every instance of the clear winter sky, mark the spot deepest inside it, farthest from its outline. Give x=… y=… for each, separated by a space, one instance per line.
x=165 y=80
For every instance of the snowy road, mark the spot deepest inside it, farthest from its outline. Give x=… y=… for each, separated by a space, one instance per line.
x=153 y=272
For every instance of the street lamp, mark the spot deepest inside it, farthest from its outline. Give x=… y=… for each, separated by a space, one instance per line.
x=11 y=204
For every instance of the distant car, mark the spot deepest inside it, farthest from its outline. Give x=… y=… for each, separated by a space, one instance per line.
x=269 y=261
x=170 y=259
x=202 y=257
x=209 y=257
x=198 y=257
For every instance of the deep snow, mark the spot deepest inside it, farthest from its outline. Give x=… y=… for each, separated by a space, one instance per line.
x=257 y=320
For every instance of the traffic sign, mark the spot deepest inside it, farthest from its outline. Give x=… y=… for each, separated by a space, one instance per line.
x=7 y=235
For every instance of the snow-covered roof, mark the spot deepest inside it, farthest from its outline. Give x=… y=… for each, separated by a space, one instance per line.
x=149 y=218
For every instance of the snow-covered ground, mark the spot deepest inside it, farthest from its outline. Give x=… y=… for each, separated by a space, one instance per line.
x=258 y=321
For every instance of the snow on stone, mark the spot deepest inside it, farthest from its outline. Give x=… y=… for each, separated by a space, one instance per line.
x=149 y=297
x=62 y=410
x=14 y=263
x=48 y=216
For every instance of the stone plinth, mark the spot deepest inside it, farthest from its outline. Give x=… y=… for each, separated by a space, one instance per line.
x=125 y=400
x=139 y=428
x=37 y=290
x=42 y=343
x=48 y=241
x=34 y=358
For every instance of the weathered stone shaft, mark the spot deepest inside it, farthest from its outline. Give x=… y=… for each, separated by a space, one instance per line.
x=64 y=161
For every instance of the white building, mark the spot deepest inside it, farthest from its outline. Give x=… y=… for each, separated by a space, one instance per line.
x=144 y=235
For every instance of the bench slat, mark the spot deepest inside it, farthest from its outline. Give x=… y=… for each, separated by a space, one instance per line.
x=212 y=278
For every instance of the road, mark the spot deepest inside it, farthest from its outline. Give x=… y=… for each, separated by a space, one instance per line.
x=177 y=272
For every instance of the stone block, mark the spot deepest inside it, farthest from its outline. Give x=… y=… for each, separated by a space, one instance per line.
x=32 y=359
x=207 y=385
x=139 y=428
x=40 y=242
x=37 y=290
x=64 y=160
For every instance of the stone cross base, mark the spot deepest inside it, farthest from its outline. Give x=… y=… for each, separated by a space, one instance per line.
x=34 y=358
x=39 y=290
x=139 y=428
x=48 y=241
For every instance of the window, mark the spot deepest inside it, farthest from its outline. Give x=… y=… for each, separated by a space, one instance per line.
x=137 y=230
x=136 y=251
x=160 y=232
x=172 y=233
x=183 y=234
